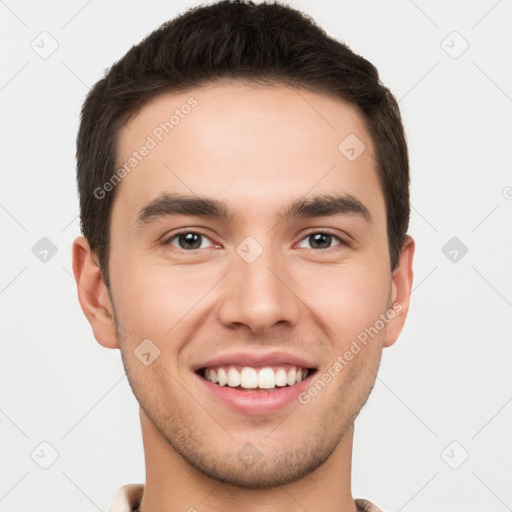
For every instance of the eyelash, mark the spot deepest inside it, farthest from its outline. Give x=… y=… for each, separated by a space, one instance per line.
x=323 y=232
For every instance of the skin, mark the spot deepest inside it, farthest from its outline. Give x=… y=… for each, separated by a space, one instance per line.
x=257 y=148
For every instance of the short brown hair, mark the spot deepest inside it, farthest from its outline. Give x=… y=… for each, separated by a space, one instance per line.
x=265 y=43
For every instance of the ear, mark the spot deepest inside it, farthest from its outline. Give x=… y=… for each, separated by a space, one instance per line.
x=401 y=286
x=93 y=294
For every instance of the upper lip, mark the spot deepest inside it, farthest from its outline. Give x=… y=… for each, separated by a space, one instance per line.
x=255 y=360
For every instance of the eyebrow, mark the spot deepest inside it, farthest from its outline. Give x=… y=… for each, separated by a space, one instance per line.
x=316 y=206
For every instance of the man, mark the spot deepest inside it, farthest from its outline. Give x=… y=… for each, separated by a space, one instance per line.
x=244 y=194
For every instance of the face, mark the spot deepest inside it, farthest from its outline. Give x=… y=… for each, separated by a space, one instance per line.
x=248 y=248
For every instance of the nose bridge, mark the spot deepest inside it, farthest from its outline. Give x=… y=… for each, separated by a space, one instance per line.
x=258 y=293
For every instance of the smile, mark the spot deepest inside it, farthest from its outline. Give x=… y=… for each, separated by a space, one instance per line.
x=255 y=383
x=247 y=377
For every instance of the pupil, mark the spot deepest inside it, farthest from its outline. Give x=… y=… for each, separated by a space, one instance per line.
x=190 y=241
x=321 y=238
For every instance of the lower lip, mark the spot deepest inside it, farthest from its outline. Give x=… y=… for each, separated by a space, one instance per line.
x=257 y=402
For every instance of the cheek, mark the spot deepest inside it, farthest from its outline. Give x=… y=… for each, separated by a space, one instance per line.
x=348 y=299
x=153 y=301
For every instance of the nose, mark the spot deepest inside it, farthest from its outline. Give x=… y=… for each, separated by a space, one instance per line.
x=259 y=294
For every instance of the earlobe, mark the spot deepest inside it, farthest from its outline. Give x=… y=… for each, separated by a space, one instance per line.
x=401 y=287
x=93 y=294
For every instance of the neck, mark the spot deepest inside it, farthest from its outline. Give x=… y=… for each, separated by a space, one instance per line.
x=173 y=484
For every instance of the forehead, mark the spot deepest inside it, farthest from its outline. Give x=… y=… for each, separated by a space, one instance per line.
x=252 y=146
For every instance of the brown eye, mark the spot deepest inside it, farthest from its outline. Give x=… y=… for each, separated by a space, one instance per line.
x=188 y=240
x=321 y=240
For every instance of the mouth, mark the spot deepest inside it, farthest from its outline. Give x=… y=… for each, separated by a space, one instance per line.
x=255 y=384
x=248 y=378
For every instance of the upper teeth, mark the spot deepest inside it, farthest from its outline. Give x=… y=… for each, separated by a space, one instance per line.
x=264 y=378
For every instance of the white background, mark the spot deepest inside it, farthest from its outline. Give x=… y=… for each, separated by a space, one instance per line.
x=448 y=377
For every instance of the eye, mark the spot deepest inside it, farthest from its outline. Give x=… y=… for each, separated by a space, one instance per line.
x=321 y=240
x=188 y=240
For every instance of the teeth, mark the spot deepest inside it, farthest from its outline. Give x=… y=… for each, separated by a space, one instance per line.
x=248 y=378
x=252 y=378
x=233 y=377
x=281 y=377
x=266 y=378
x=222 y=377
